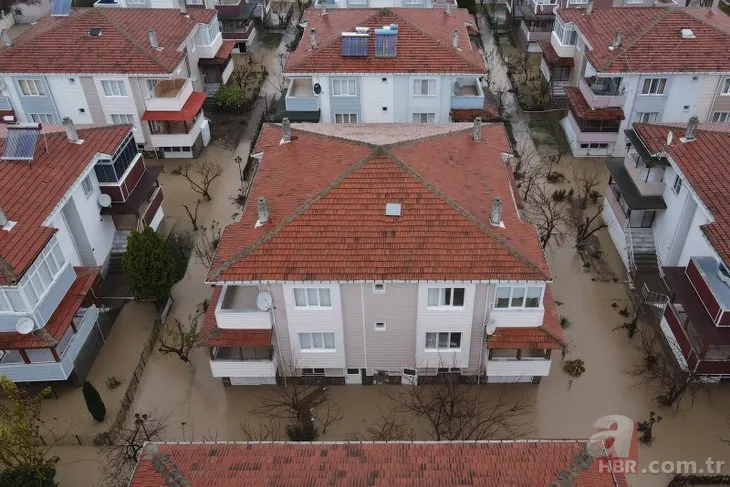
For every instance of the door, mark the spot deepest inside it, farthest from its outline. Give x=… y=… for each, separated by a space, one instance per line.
x=353 y=376
x=205 y=131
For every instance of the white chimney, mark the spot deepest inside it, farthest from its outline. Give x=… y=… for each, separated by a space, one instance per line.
x=313 y=38
x=616 y=40
x=183 y=7
x=476 y=133
x=153 y=39
x=448 y=8
x=692 y=125
x=455 y=40
x=286 y=130
x=71 y=134
x=3 y=218
x=7 y=40
x=589 y=8
x=495 y=218
x=263 y=209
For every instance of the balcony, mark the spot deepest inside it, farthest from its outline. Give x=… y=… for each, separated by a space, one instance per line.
x=244 y=365
x=467 y=93
x=562 y=50
x=170 y=95
x=300 y=96
x=602 y=93
x=514 y=365
x=177 y=133
x=648 y=180
x=536 y=30
x=236 y=309
x=542 y=8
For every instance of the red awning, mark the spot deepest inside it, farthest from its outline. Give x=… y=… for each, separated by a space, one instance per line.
x=226 y=48
x=188 y=112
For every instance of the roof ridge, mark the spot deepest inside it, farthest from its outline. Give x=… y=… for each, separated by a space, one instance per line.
x=132 y=41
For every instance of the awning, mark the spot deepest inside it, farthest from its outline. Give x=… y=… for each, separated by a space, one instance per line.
x=629 y=191
x=644 y=153
x=580 y=107
x=188 y=111
x=551 y=57
x=222 y=56
x=139 y=194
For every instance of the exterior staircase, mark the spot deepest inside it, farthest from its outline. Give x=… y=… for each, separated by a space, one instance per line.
x=641 y=250
x=119 y=246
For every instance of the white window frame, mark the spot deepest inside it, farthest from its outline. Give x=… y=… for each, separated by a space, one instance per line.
x=430 y=87
x=721 y=117
x=346 y=117
x=448 y=346
x=646 y=117
x=578 y=2
x=46 y=118
x=726 y=87
x=442 y=297
x=87 y=186
x=31 y=87
x=522 y=287
x=653 y=86
x=430 y=117
x=312 y=337
x=634 y=2
x=113 y=88
x=379 y=288
x=677 y=184
x=380 y=325
x=563 y=32
x=349 y=85
x=122 y=118
x=309 y=297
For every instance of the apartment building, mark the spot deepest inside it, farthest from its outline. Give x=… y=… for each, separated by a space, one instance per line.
x=443 y=4
x=151 y=68
x=666 y=211
x=623 y=65
x=63 y=196
x=386 y=66
x=403 y=256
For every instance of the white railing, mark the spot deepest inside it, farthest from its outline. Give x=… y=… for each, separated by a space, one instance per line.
x=650 y=297
x=630 y=252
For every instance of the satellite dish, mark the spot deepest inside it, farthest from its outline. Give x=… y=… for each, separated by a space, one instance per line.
x=25 y=325
x=317 y=88
x=105 y=201
x=670 y=137
x=264 y=301
x=491 y=327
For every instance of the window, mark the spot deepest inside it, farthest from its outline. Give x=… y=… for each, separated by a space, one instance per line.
x=345 y=117
x=443 y=341
x=379 y=288
x=721 y=117
x=685 y=108
x=726 y=87
x=579 y=2
x=36 y=281
x=518 y=297
x=379 y=325
x=317 y=341
x=566 y=34
x=677 y=184
x=503 y=354
x=424 y=87
x=315 y=372
x=344 y=87
x=86 y=185
x=112 y=170
x=533 y=354
x=646 y=117
x=353 y=371
x=32 y=87
x=445 y=296
x=113 y=87
x=122 y=118
x=634 y=2
x=653 y=86
x=42 y=117
x=424 y=117
x=312 y=297
x=151 y=83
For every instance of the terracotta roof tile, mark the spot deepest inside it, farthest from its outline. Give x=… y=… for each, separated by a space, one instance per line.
x=63 y=44
x=580 y=107
x=551 y=57
x=487 y=113
x=328 y=217
x=212 y=336
x=226 y=49
x=424 y=43
x=30 y=192
x=651 y=40
x=549 y=335
x=487 y=464
x=704 y=163
x=61 y=319
x=188 y=111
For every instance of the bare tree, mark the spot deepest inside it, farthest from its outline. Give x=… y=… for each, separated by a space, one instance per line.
x=549 y=216
x=528 y=170
x=585 y=226
x=277 y=79
x=587 y=180
x=193 y=214
x=180 y=339
x=206 y=243
x=390 y=426
x=261 y=429
x=200 y=176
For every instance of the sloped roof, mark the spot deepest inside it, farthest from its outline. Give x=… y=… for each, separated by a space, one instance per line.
x=704 y=162
x=63 y=44
x=651 y=40
x=405 y=464
x=327 y=198
x=29 y=192
x=424 y=42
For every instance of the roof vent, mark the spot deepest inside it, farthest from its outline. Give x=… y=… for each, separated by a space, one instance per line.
x=589 y=8
x=616 y=40
x=688 y=34
x=286 y=130
x=263 y=209
x=455 y=39
x=71 y=134
x=154 y=43
x=476 y=133
x=3 y=219
x=392 y=209
x=95 y=32
x=386 y=41
x=7 y=39
x=691 y=132
x=183 y=7
x=313 y=38
x=495 y=217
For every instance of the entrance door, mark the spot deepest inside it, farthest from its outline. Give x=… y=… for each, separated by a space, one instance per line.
x=353 y=376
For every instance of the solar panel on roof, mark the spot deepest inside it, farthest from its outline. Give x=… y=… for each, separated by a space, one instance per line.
x=60 y=7
x=386 y=42
x=20 y=144
x=354 y=45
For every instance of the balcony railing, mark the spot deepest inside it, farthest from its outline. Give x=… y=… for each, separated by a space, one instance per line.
x=542 y=8
x=237 y=309
x=243 y=362
x=643 y=177
x=467 y=93
x=170 y=95
x=602 y=93
x=300 y=96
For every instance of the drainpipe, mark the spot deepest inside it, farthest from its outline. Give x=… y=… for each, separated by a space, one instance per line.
x=484 y=337
x=273 y=323
x=364 y=336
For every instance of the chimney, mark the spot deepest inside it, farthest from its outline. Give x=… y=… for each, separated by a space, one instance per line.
x=448 y=8
x=455 y=40
x=495 y=218
x=476 y=133
x=691 y=132
x=3 y=218
x=616 y=39
x=71 y=134
x=589 y=8
x=313 y=38
x=183 y=7
x=286 y=130
x=153 y=39
x=7 y=40
x=263 y=208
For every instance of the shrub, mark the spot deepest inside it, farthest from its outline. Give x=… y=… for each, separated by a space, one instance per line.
x=559 y=195
x=564 y=322
x=22 y=476
x=302 y=432
x=570 y=194
x=149 y=264
x=181 y=247
x=93 y=401
x=574 y=368
x=555 y=177
x=593 y=196
x=112 y=382
x=229 y=98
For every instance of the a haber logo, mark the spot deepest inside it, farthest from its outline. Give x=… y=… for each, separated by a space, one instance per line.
x=615 y=444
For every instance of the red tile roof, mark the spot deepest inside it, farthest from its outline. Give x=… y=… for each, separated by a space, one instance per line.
x=212 y=336
x=651 y=40
x=328 y=217
x=61 y=319
x=487 y=113
x=63 y=44
x=404 y=464
x=549 y=335
x=551 y=57
x=226 y=49
x=187 y=113
x=580 y=107
x=704 y=163
x=424 y=42
x=30 y=192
